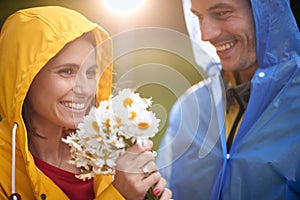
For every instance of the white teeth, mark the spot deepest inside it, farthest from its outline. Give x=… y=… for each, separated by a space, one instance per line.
x=224 y=46
x=76 y=106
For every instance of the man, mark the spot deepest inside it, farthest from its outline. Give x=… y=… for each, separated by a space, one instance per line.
x=255 y=155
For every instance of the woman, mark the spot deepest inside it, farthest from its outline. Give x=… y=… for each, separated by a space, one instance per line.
x=54 y=64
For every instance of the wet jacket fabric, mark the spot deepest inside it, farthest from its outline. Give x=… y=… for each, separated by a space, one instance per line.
x=29 y=39
x=264 y=160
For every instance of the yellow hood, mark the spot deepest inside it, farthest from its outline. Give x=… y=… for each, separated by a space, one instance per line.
x=24 y=49
x=30 y=46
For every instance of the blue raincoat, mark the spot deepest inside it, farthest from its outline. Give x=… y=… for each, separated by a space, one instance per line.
x=264 y=160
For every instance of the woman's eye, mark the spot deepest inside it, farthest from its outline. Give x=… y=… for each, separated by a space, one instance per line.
x=66 y=72
x=91 y=74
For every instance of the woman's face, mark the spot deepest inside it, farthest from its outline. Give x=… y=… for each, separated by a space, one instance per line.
x=63 y=90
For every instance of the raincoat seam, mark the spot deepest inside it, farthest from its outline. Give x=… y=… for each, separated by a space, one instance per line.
x=46 y=22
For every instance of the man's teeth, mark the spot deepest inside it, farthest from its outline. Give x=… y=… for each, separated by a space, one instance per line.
x=74 y=105
x=224 y=47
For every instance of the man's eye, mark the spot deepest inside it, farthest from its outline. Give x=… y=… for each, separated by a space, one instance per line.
x=198 y=16
x=222 y=14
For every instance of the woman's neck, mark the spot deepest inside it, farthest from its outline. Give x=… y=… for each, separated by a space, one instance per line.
x=51 y=149
x=46 y=146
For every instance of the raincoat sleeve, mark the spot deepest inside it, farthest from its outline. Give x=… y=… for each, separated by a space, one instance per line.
x=104 y=189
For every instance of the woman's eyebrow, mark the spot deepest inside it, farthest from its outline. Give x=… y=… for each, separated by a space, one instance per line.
x=73 y=65
x=94 y=65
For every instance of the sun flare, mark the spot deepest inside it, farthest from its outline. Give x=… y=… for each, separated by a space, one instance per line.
x=123 y=6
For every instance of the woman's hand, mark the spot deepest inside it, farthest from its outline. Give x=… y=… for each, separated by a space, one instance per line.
x=137 y=172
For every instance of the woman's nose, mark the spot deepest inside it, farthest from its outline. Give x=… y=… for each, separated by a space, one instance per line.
x=84 y=86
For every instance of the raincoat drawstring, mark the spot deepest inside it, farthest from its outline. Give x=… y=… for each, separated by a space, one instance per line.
x=14 y=195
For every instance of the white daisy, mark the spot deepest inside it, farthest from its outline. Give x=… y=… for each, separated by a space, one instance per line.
x=108 y=130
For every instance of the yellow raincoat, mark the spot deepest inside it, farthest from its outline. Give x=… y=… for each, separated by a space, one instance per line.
x=29 y=39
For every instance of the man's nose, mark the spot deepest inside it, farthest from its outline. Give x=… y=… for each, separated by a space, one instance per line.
x=210 y=29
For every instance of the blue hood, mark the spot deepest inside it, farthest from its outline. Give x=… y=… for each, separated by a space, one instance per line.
x=277 y=33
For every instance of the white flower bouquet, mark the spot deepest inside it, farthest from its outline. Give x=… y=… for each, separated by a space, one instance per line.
x=108 y=130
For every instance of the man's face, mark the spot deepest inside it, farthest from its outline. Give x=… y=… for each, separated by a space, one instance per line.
x=229 y=26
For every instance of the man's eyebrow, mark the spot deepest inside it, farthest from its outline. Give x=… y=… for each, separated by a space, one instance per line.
x=217 y=6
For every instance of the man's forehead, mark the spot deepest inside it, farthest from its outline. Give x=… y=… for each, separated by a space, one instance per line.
x=207 y=5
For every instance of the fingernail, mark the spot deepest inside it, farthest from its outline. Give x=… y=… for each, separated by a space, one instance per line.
x=156 y=192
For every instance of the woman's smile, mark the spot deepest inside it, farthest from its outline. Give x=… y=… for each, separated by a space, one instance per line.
x=73 y=105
